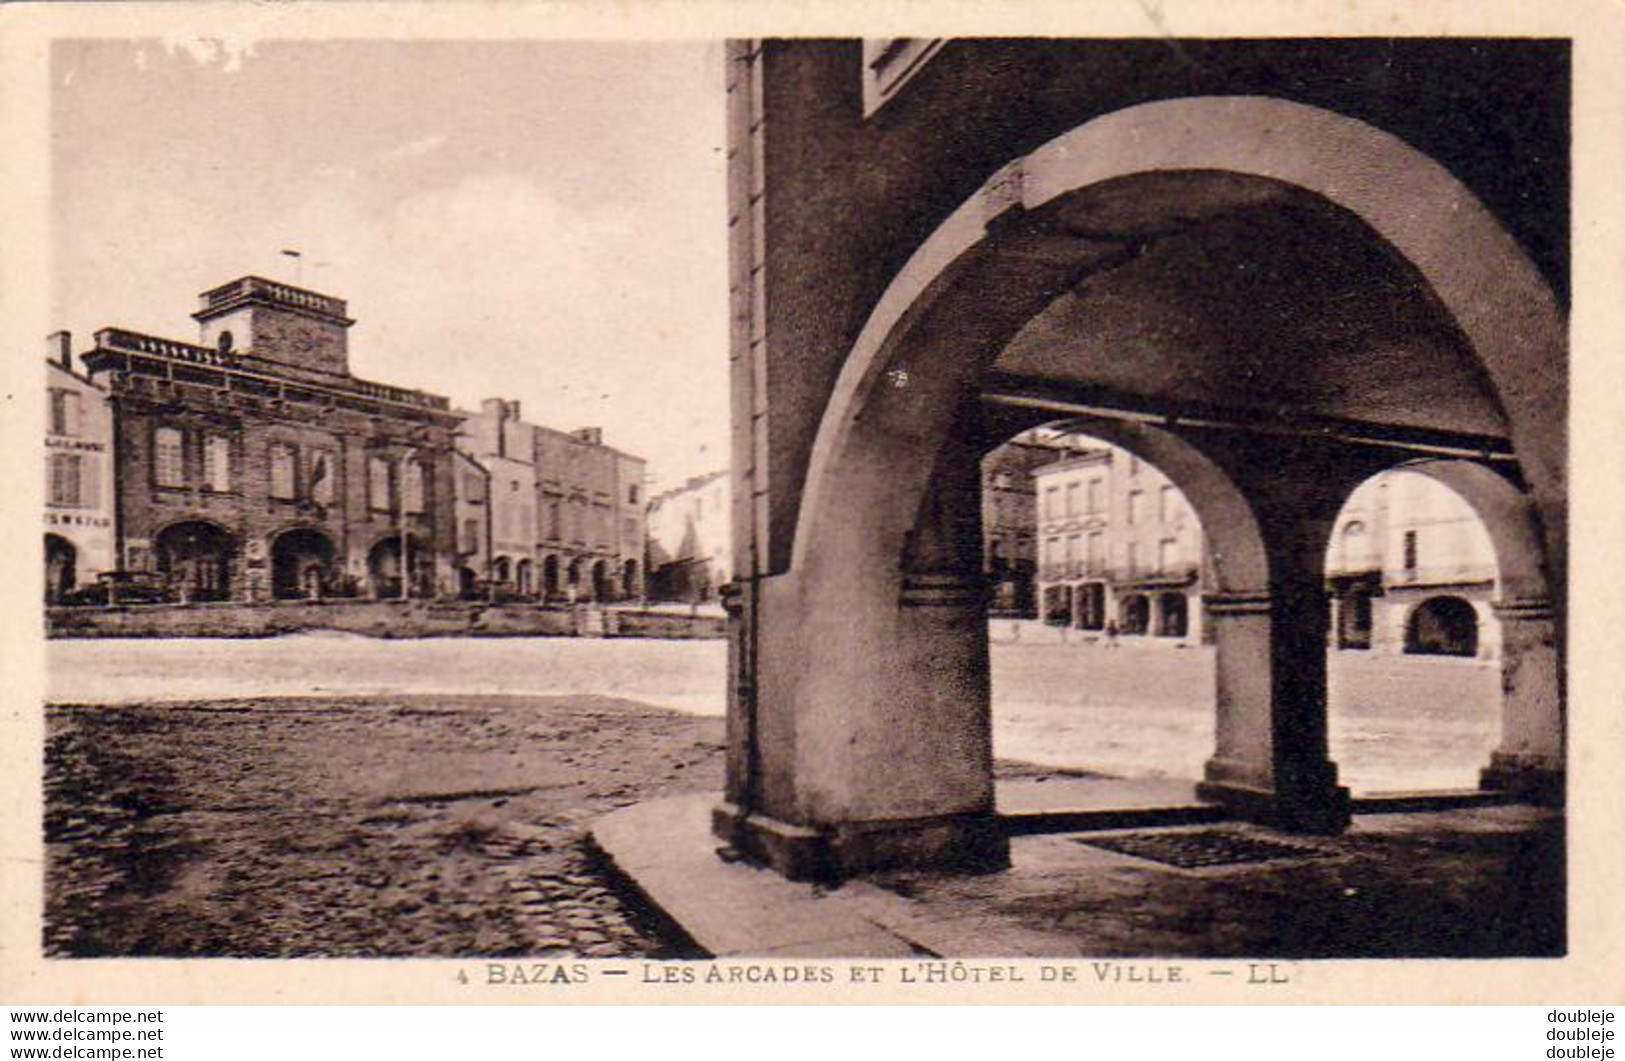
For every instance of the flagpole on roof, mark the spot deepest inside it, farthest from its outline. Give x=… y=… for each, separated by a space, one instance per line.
x=298 y=266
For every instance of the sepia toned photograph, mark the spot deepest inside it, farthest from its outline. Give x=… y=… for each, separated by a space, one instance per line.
x=550 y=503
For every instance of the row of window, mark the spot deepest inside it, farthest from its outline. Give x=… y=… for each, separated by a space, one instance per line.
x=1091 y=551
x=296 y=472
x=1059 y=504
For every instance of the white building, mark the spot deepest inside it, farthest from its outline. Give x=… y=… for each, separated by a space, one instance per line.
x=1410 y=568
x=1119 y=548
x=691 y=540
x=79 y=531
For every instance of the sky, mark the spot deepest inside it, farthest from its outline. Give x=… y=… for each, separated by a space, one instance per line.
x=537 y=220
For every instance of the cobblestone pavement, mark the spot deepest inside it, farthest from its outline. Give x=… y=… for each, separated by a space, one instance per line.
x=352 y=827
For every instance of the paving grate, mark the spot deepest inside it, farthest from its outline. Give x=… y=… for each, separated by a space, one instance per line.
x=1200 y=850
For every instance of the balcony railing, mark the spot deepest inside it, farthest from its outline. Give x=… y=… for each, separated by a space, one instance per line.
x=1184 y=571
x=1439 y=574
x=287 y=295
x=120 y=341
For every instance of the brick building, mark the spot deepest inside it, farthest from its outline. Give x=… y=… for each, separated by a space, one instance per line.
x=79 y=543
x=254 y=465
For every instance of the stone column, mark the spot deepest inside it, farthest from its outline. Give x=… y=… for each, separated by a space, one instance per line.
x=1271 y=762
x=1530 y=760
x=865 y=739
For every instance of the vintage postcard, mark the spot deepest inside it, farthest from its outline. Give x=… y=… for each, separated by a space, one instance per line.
x=710 y=503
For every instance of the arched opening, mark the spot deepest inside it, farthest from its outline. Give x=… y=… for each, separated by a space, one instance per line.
x=1168 y=265
x=302 y=564
x=552 y=587
x=1109 y=537
x=1173 y=616
x=603 y=588
x=1442 y=626
x=61 y=562
x=196 y=559
x=524 y=577
x=384 y=569
x=629 y=579
x=1409 y=564
x=1135 y=609
x=467 y=583
x=576 y=586
x=502 y=572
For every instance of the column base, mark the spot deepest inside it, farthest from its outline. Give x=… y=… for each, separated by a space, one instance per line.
x=956 y=843
x=1534 y=780
x=1316 y=804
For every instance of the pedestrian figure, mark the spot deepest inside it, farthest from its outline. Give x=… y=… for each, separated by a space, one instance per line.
x=1111 y=634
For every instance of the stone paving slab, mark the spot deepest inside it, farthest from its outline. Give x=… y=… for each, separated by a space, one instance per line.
x=1419 y=885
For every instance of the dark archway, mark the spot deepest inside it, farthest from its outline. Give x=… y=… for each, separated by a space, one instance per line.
x=196 y=559
x=302 y=564
x=1091 y=606
x=61 y=567
x=603 y=588
x=524 y=577
x=1173 y=616
x=1134 y=613
x=467 y=583
x=384 y=568
x=629 y=579
x=552 y=587
x=1442 y=626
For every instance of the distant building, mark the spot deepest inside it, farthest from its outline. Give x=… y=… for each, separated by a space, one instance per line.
x=472 y=500
x=565 y=511
x=1010 y=521
x=691 y=540
x=1119 y=548
x=79 y=482
x=1411 y=569
x=254 y=465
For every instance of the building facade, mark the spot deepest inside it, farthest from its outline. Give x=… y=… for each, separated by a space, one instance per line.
x=1411 y=569
x=1119 y=548
x=79 y=531
x=691 y=540
x=254 y=466
x=1010 y=523
x=565 y=510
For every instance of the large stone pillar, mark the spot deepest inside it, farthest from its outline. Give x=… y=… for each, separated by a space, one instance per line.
x=870 y=740
x=1529 y=761
x=1271 y=761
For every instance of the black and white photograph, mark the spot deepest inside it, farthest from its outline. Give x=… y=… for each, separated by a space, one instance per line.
x=609 y=508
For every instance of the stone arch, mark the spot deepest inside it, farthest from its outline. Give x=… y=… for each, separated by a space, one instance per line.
x=845 y=715
x=197 y=557
x=385 y=568
x=1531 y=755
x=1496 y=296
x=1442 y=625
x=302 y=563
x=524 y=577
